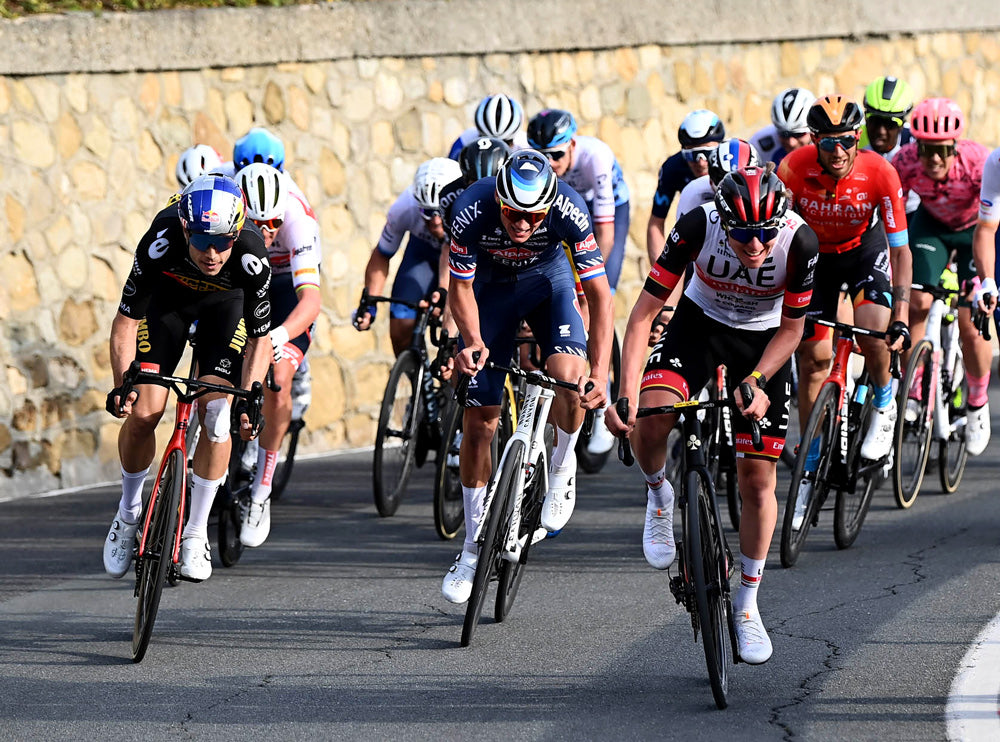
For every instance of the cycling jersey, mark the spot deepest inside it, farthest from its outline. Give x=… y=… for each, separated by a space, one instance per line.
x=726 y=290
x=597 y=177
x=841 y=210
x=699 y=191
x=447 y=198
x=295 y=248
x=673 y=176
x=955 y=201
x=472 y=134
x=989 y=193
x=768 y=144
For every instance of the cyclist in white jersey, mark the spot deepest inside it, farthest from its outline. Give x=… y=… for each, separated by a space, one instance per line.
x=498 y=116
x=291 y=236
x=788 y=129
x=985 y=236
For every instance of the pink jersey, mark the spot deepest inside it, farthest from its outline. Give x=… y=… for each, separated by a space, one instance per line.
x=953 y=202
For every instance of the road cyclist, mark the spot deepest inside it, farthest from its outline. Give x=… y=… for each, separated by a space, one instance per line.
x=788 y=129
x=198 y=160
x=499 y=116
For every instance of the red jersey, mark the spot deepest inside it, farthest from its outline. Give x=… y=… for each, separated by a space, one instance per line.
x=840 y=210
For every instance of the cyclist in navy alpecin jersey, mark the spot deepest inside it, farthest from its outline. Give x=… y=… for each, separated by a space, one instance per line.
x=507 y=234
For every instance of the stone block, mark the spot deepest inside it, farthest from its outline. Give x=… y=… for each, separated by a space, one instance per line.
x=18 y=276
x=15 y=218
x=383 y=143
x=68 y=136
x=274 y=104
x=298 y=107
x=46 y=94
x=407 y=127
x=90 y=181
x=33 y=143
x=97 y=138
x=239 y=112
x=150 y=156
x=684 y=76
x=358 y=104
x=456 y=91
x=25 y=419
x=314 y=77
x=77 y=322
x=58 y=235
x=328 y=400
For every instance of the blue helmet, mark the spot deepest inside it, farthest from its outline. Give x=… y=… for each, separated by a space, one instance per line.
x=551 y=128
x=259 y=145
x=526 y=182
x=212 y=210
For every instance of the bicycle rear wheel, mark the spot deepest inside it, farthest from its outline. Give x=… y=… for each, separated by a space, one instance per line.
x=153 y=565
x=531 y=517
x=449 y=508
x=395 y=440
x=851 y=508
x=952 y=452
x=707 y=552
x=822 y=428
x=491 y=541
x=286 y=459
x=230 y=523
x=913 y=429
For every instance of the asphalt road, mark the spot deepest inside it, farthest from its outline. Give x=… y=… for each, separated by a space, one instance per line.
x=336 y=628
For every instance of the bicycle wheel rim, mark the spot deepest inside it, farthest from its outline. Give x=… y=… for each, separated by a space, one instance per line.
x=952 y=453
x=511 y=573
x=851 y=506
x=158 y=554
x=449 y=507
x=913 y=437
x=395 y=439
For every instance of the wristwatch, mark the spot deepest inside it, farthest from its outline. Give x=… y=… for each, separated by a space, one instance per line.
x=760 y=379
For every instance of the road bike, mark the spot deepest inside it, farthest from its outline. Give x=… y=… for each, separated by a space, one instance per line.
x=829 y=455
x=158 y=541
x=512 y=510
x=933 y=402
x=410 y=418
x=705 y=561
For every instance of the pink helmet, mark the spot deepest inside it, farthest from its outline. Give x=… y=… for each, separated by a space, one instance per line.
x=936 y=119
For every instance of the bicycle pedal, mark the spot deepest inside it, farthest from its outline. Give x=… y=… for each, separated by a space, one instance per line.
x=541 y=534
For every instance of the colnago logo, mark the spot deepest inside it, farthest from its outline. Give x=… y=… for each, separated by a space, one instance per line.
x=465 y=217
x=568 y=210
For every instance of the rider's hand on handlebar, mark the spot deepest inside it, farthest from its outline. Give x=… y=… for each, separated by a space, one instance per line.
x=464 y=362
x=615 y=423
x=897 y=337
x=659 y=326
x=362 y=317
x=597 y=396
x=986 y=295
x=758 y=405
x=116 y=407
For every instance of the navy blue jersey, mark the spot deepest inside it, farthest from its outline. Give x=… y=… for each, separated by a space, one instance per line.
x=447 y=199
x=481 y=247
x=674 y=175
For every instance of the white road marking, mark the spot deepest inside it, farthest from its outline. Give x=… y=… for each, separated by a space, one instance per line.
x=973 y=710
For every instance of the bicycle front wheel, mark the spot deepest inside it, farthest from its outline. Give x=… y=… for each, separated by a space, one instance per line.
x=395 y=440
x=952 y=452
x=449 y=508
x=707 y=554
x=913 y=429
x=491 y=541
x=531 y=517
x=153 y=565
x=819 y=434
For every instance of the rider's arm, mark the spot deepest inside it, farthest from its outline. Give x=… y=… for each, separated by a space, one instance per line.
x=984 y=236
x=655 y=236
x=893 y=209
x=123 y=334
x=305 y=277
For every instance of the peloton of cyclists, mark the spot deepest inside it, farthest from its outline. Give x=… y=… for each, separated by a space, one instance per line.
x=508 y=265
x=199 y=261
x=754 y=261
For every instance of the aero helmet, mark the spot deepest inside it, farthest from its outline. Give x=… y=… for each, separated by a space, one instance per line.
x=936 y=119
x=259 y=145
x=834 y=114
x=789 y=110
x=482 y=157
x=498 y=116
x=731 y=155
x=700 y=127
x=526 y=182
x=551 y=128
x=753 y=197
x=432 y=176
x=195 y=161
x=265 y=191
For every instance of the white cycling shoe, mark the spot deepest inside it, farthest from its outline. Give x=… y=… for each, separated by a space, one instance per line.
x=752 y=639
x=457 y=585
x=119 y=547
x=878 y=438
x=977 y=430
x=561 y=496
x=658 y=544
x=196 y=558
x=255 y=523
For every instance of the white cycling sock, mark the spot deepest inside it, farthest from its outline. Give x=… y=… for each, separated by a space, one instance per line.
x=745 y=599
x=474 y=498
x=202 y=494
x=266 y=462
x=659 y=491
x=565 y=443
x=130 y=505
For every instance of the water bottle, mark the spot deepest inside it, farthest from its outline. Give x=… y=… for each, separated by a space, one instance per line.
x=301 y=390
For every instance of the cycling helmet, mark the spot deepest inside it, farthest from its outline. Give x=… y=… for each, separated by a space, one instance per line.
x=834 y=114
x=752 y=197
x=936 y=119
x=889 y=97
x=700 y=127
x=733 y=154
x=265 y=191
x=790 y=108
x=432 y=176
x=211 y=206
x=195 y=161
x=551 y=128
x=482 y=157
x=498 y=116
x=259 y=145
x=526 y=182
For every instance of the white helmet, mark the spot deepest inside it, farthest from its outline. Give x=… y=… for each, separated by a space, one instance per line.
x=432 y=176
x=265 y=191
x=498 y=116
x=790 y=108
x=195 y=161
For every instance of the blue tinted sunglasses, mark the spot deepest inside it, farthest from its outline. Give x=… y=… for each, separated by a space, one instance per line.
x=202 y=242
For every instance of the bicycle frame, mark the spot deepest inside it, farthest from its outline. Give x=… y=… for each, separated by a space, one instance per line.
x=946 y=361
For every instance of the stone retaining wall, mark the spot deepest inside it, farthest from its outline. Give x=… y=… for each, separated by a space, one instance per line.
x=86 y=158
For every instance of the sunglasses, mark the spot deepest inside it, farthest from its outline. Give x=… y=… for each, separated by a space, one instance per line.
x=516 y=215
x=745 y=235
x=830 y=144
x=429 y=214
x=203 y=242
x=555 y=154
x=884 y=122
x=926 y=149
x=696 y=153
x=792 y=134
x=271 y=225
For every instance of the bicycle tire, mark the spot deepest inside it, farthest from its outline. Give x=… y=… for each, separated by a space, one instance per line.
x=511 y=573
x=153 y=566
x=449 y=506
x=822 y=425
x=491 y=540
x=399 y=418
x=592 y=463
x=851 y=508
x=230 y=523
x=286 y=459
x=913 y=438
x=704 y=565
x=952 y=452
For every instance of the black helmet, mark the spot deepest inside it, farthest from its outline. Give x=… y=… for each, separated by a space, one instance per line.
x=482 y=157
x=551 y=128
x=751 y=197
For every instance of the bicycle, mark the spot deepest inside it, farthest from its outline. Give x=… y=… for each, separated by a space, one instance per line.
x=705 y=561
x=410 y=417
x=933 y=398
x=158 y=541
x=512 y=510
x=833 y=436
